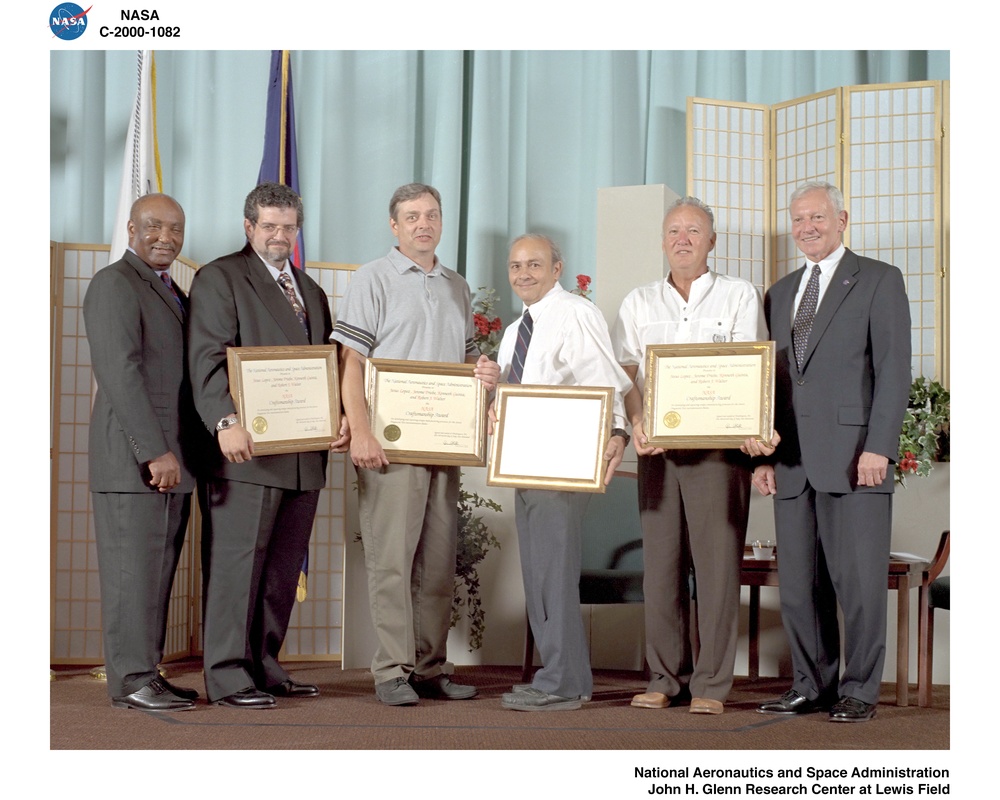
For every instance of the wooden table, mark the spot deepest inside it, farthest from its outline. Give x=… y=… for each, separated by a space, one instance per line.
x=903 y=576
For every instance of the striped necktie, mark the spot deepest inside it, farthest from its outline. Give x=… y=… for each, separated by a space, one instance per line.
x=804 y=316
x=165 y=277
x=286 y=283
x=521 y=348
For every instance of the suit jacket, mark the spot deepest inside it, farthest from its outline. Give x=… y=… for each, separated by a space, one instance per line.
x=236 y=303
x=851 y=393
x=143 y=406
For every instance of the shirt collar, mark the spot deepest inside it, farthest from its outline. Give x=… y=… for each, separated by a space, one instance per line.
x=538 y=307
x=403 y=264
x=828 y=264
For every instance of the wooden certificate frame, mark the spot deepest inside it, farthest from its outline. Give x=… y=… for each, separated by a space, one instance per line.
x=551 y=437
x=708 y=395
x=426 y=412
x=287 y=396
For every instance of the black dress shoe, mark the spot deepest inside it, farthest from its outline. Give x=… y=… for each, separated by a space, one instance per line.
x=180 y=691
x=248 y=698
x=791 y=702
x=292 y=688
x=154 y=696
x=850 y=709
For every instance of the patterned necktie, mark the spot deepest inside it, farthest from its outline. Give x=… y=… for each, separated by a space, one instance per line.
x=165 y=277
x=803 y=324
x=521 y=348
x=286 y=283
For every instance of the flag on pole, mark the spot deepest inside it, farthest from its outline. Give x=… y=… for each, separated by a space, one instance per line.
x=141 y=172
x=280 y=162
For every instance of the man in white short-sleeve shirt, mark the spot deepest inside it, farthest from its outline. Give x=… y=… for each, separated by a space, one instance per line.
x=693 y=504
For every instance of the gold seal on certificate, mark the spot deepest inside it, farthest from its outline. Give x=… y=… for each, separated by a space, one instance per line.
x=259 y=425
x=704 y=395
x=392 y=433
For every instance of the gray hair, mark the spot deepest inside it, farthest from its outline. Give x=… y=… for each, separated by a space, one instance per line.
x=695 y=203
x=553 y=247
x=272 y=195
x=832 y=192
x=411 y=191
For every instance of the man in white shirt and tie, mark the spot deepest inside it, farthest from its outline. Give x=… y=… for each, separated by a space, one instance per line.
x=560 y=340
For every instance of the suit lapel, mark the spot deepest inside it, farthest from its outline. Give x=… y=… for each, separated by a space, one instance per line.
x=844 y=279
x=148 y=274
x=273 y=298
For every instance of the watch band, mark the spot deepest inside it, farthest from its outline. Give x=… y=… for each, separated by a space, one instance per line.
x=621 y=432
x=227 y=422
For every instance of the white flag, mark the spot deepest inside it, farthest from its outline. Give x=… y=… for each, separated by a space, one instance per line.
x=141 y=164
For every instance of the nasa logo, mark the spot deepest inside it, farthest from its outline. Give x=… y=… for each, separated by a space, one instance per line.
x=68 y=21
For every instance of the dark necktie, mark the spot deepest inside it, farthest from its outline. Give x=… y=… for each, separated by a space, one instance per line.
x=803 y=324
x=165 y=277
x=286 y=283
x=521 y=348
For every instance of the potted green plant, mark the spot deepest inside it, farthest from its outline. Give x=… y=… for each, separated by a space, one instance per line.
x=474 y=541
x=926 y=426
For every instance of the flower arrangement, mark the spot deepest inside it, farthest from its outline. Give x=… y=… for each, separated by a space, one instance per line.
x=583 y=286
x=474 y=542
x=488 y=326
x=927 y=420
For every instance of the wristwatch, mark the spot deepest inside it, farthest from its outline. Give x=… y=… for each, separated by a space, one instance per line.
x=227 y=422
x=621 y=432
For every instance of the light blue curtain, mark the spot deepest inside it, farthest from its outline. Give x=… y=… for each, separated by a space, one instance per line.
x=514 y=140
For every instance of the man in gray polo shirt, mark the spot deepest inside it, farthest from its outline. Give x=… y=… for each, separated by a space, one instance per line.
x=407 y=305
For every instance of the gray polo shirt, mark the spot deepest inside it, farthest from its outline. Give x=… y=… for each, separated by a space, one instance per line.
x=394 y=309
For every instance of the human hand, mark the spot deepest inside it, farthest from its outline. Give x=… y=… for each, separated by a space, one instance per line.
x=872 y=469
x=165 y=472
x=755 y=447
x=341 y=444
x=236 y=444
x=763 y=479
x=488 y=372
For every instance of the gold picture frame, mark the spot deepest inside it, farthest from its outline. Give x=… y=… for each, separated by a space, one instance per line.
x=287 y=396
x=551 y=437
x=427 y=412
x=708 y=395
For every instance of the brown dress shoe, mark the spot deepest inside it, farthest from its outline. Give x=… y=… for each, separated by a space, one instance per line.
x=705 y=705
x=650 y=700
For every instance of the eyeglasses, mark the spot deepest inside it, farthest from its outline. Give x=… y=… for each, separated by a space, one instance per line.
x=270 y=227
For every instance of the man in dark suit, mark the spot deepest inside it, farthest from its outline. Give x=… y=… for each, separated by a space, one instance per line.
x=142 y=430
x=841 y=325
x=259 y=510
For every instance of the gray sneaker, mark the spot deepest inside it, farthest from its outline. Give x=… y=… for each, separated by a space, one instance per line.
x=441 y=687
x=396 y=692
x=523 y=687
x=530 y=699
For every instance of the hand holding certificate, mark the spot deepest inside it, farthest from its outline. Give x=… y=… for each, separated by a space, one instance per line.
x=708 y=395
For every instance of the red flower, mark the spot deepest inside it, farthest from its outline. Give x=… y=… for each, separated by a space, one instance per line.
x=496 y=324
x=482 y=324
x=583 y=282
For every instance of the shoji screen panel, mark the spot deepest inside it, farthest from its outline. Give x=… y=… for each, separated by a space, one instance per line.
x=894 y=184
x=315 y=631
x=727 y=169
x=807 y=135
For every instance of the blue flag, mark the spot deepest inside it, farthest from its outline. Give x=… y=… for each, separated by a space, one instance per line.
x=280 y=163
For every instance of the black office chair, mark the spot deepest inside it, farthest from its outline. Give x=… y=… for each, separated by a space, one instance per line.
x=611 y=558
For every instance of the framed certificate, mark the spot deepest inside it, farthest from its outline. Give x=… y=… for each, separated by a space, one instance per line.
x=708 y=395
x=288 y=397
x=425 y=412
x=551 y=437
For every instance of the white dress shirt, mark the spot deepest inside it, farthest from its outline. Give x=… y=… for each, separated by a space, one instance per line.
x=826 y=269
x=570 y=346
x=719 y=308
